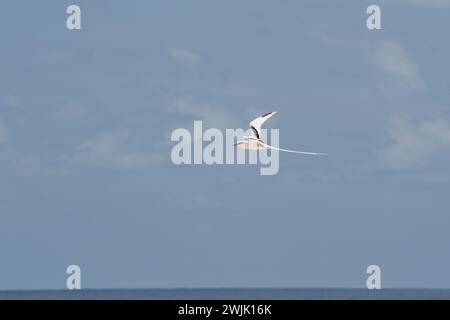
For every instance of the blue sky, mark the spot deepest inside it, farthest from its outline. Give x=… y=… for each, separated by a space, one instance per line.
x=86 y=118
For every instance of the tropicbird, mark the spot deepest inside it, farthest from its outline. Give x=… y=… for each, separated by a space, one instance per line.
x=255 y=143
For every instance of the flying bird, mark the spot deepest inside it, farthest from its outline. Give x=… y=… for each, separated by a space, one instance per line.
x=255 y=142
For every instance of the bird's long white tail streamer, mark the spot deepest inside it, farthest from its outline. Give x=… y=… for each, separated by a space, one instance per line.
x=300 y=152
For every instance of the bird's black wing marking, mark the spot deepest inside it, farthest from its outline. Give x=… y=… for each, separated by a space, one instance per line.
x=266 y=114
x=255 y=131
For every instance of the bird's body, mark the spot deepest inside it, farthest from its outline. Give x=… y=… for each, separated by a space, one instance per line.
x=251 y=143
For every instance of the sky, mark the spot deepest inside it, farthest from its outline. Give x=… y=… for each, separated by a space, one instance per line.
x=86 y=117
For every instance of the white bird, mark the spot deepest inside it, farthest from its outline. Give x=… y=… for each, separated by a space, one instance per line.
x=255 y=143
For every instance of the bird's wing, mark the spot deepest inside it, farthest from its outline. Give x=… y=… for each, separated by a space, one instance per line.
x=258 y=122
x=293 y=151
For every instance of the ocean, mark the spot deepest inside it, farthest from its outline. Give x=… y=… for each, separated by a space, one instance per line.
x=229 y=294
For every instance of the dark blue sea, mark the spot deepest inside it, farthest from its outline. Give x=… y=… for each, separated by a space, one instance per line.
x=231 y=294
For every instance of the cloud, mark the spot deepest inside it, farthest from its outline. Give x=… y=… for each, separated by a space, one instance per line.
x=3 y=133
x=328 y=37
x=416 y=145
x=184 y=56
x=428 y=3
x=201 y=200
x=106 y=150
x=69 y=111
x=12 y=101
x=392 y=59
x=212 y=115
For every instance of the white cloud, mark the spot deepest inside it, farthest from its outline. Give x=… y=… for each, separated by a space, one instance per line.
x=428 y=3
x=69 y=111
x=212 y=115
x=328 y=37
x=106 y=150
x=392 y=59
x=184 y=56
x=416 y=145
x=3 y=133
x=12 y=101
x=201 y=200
